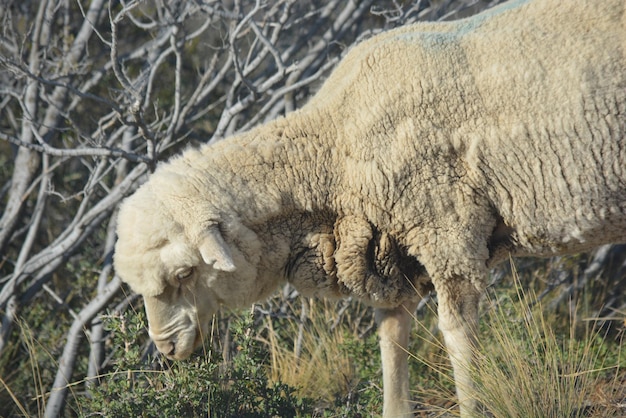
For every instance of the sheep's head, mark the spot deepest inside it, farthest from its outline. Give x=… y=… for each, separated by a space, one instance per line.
x=182 y=279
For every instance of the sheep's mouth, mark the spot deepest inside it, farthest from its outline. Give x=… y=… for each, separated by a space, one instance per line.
x=177 y=345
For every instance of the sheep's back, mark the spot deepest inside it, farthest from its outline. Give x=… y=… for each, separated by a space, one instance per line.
x=551 y=150
x=524 y=104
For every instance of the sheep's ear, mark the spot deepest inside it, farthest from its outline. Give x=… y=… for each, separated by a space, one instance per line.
x=215 y=251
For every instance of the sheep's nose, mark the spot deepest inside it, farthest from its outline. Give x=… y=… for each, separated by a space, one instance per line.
x=167 y=347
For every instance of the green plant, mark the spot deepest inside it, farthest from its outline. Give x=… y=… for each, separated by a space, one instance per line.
x=197 y=387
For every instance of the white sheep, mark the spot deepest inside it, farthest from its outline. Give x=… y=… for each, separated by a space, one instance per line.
x=446 y=146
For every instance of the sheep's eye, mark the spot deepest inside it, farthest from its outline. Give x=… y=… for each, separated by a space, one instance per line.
x=184 y=273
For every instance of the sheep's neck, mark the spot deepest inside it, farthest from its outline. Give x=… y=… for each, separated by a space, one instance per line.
x=278 y=168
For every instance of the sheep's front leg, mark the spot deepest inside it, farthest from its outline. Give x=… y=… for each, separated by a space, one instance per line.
x=394 y=326
x=458 y=320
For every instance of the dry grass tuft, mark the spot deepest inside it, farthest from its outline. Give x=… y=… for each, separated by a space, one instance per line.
x=317 y=364
x=526 y=369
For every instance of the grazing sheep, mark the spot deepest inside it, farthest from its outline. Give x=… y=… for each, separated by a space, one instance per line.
x=432 y=151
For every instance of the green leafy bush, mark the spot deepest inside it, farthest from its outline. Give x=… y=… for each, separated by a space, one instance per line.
x=197 y=387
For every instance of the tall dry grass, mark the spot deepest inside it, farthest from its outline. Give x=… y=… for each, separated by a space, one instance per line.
x=531 y=361
x=320 y=361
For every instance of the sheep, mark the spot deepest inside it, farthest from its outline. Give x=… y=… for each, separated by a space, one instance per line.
x=448 y=146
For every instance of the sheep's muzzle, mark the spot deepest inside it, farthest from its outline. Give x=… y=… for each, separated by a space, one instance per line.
x=178 y=346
